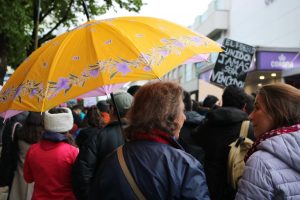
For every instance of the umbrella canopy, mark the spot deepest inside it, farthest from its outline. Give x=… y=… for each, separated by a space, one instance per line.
x=101 y=91
x=98 y=53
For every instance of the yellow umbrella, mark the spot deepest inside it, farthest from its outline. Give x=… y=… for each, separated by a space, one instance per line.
x=98 y=53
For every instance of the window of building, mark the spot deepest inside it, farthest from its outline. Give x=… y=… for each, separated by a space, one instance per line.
x=188 y=72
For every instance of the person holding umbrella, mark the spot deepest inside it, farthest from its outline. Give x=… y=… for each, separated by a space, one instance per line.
x=158 y=165
x=99 y=145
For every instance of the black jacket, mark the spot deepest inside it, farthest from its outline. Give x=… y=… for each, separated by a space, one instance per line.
x=85 y=134
x=90 y=156
x=219 y=129
x=193 y=119
x=9 y=153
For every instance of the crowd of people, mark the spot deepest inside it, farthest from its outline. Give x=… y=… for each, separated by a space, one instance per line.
x=155 y=142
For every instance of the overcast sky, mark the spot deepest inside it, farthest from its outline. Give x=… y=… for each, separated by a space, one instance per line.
x=182 y=12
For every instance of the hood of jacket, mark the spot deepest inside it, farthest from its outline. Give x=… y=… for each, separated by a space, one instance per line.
x=285 y=147
x=226 y=116
x=193 y=117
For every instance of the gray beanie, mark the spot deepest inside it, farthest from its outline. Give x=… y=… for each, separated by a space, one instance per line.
x=123 y=101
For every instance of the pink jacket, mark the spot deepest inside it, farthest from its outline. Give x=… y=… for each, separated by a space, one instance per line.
x=49 y=166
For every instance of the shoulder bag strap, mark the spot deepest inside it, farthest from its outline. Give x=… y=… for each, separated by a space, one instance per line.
x=14 y=130
x=244 y=128
x=128 y=175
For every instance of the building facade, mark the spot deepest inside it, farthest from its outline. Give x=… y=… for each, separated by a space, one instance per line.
x=271 y=26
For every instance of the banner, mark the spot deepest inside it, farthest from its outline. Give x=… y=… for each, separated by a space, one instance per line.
x=233 y=64
x=89 y=101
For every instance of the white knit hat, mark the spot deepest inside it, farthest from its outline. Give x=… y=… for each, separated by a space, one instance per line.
x=59 y=122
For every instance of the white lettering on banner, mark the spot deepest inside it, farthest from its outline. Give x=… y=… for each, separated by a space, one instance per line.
x=230 y=70
x=281 y=62
x=222 y=58
x=240 y=46
x=233 y=64
x=238 y=54
x=220 y=78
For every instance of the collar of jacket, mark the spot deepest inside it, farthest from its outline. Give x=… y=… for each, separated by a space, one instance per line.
x=54 y=137
x=159 y=136
x=269 y=134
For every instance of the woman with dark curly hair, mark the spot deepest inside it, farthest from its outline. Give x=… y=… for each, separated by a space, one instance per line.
x=272 y=168
x=94 y=122
x=157 y=163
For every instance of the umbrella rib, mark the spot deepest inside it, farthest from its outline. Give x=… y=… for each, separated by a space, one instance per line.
x=95 y=51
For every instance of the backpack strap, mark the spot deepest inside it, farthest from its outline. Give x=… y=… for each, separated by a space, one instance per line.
x=243 y=132
x=238 y=149
x=244 y=128
x=128 y=175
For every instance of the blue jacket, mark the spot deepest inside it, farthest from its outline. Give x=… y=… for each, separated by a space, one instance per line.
x=160 y=171
x=273 y=172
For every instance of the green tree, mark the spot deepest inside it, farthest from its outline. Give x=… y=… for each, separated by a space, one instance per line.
x=27 y=24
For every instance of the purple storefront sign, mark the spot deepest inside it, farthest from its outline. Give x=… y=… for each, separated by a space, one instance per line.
x=266 y=60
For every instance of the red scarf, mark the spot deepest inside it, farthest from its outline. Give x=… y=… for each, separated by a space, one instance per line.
x=272 y=133
x=157 y=136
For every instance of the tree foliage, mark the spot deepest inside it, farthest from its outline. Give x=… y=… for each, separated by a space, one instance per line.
x=15 y=17
x=19 y=21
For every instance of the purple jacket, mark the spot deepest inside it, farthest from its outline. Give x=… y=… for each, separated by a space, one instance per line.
x=273 y=172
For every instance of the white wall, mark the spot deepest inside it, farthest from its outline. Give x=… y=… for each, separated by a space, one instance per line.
x=258 y=24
